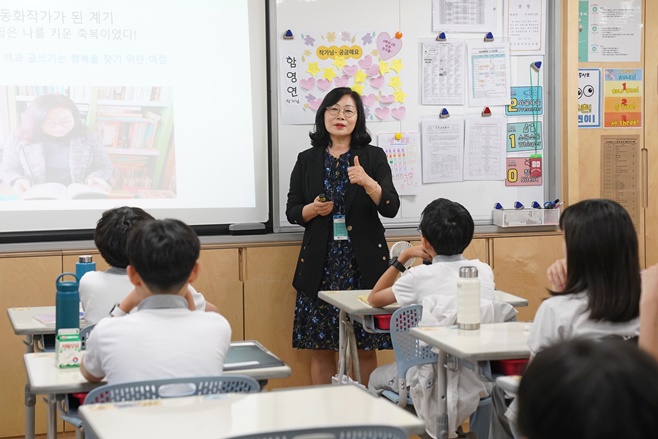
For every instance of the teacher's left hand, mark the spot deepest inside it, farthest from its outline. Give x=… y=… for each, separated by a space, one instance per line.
x=358 y=175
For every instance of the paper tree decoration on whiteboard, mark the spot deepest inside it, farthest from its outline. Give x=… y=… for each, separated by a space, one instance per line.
x=315 y=62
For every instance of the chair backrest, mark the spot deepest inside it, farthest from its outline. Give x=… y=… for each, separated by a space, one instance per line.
x=408 y=349
x=172 y=388
x=338 y=432
x=84 y=335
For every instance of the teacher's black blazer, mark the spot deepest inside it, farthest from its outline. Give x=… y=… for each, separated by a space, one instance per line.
x=365 y=230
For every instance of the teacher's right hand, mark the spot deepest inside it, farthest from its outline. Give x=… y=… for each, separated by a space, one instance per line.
x=323 y=208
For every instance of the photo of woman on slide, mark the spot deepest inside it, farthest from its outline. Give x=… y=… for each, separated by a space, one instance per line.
x=54 y=145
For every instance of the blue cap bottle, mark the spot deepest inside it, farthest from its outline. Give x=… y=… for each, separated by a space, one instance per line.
x=67 y=303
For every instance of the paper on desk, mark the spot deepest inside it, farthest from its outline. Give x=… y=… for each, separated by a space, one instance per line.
x=50 y=318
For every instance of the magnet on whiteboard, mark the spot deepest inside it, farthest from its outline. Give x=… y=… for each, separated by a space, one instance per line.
x=441 y=36
x=488 y=37
x=398 y=35
x=486 y=112
x=398 y=136
x=288 y=35
x=444 y=114
x=536 y=66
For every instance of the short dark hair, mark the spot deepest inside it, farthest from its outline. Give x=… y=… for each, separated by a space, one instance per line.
x=37 y=111
x=163 y=253
x=360 y=136
x=589 y=389
x=112 y=230
x=447 y=226
x=602 y=258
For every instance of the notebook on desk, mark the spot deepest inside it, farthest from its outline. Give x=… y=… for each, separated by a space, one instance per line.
x=249 y=355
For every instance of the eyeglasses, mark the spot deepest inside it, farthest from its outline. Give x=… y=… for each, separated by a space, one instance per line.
x=419 y=231
x=334 y=110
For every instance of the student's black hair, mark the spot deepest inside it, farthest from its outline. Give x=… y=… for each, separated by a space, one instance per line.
x=360 y=136
x=447 y=226
x=112 y=230
x=589 y=389
x=602 y=258
x=163 y=252
x=37 y=111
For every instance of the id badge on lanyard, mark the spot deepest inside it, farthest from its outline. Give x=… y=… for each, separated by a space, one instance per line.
x=340 y=230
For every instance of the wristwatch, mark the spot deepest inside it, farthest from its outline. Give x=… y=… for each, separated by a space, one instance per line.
x=117 y=311
x=397 y=264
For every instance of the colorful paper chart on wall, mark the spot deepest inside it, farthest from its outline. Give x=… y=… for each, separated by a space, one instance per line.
x=623 y=98
x=313 y=63
x=403 y=155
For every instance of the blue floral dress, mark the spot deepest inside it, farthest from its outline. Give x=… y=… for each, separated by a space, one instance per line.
x=316 y=322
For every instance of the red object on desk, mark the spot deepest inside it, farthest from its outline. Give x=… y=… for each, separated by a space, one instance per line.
x=383 y=321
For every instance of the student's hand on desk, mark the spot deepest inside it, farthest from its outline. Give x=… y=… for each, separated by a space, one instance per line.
x=322 y=208
x=21 y=185
x=557 y=275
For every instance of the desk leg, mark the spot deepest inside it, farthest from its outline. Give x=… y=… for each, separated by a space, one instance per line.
x=441 y=383
x=30 y=401
x=342 y=346
x=354 y=354
x=52 y=417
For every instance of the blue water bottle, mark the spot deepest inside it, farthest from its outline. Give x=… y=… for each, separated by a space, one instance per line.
x=83 y=266
x=67 y=303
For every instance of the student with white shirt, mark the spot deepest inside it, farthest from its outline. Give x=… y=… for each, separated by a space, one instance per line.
x=163 y=338
x=446 y=229
x=100 y=291
x=596 y=288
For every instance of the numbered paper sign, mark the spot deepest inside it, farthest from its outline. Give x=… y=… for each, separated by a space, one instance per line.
x=589 y=98
x=524 y=171
x=623 y=98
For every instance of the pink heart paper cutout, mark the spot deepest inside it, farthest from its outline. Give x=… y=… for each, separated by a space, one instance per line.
x=366 y=62
x=388 y=47
x=308 y=84
x=341 y=81
x=350 y=70
x=314 y=104
x=398 y=113
x=369 y=100
x=323 y=84
x=388 y=99
x=373 y=70
x=381 y=113
x=377 y=81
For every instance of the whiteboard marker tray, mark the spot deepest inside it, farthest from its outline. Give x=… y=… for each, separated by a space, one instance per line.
x=526 y=217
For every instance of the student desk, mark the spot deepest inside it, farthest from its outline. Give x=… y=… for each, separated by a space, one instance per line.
x=494 y=341
x=352 y=309
x=45 y=378
x=23 y=323
x=221 y=416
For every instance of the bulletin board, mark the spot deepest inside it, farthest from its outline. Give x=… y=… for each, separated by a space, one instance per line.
x=385 y=49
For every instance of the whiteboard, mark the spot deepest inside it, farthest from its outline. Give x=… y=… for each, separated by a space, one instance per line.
x=414 y=20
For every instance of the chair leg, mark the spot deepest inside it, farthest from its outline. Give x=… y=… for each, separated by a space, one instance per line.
x=79 y=434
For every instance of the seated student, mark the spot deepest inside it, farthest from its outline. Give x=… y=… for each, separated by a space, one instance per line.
x=591 y=390
x=447 y=229
x=596 y=288
x=100 y=291
x=163 y=338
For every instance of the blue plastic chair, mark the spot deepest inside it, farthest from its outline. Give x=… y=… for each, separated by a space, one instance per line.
x=338 y=432
x=409 y=351
x=170 y=388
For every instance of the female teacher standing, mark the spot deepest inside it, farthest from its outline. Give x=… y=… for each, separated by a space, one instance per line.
x=344 y=246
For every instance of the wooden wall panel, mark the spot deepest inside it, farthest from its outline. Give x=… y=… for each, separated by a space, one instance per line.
x=520 y=264
x=651 y=131
x=26 y=281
